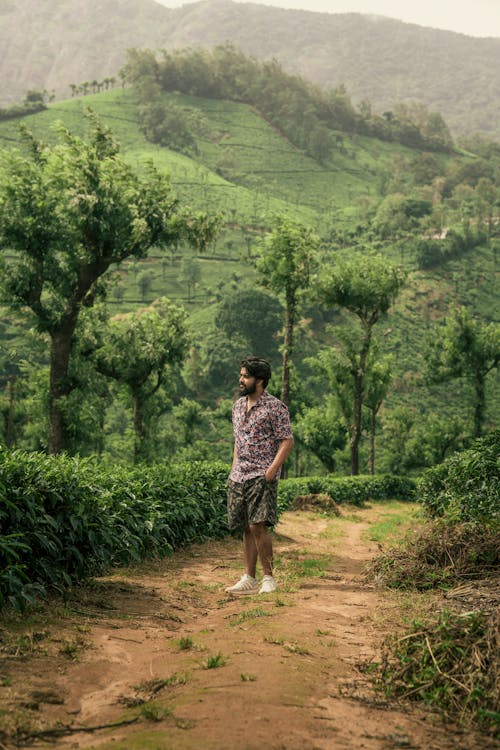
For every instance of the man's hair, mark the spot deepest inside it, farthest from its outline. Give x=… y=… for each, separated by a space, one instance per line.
x=257 y=367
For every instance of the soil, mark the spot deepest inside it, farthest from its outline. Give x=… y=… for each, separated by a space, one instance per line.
x=163 y=654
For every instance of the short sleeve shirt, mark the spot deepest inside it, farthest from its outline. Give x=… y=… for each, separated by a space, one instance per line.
x=258 y=434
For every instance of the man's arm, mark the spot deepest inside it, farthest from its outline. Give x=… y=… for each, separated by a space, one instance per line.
x=234 y=457
x=281 y=456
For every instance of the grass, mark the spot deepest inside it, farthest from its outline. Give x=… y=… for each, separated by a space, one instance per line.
x=249 y=614
x=248 y=677
x=297 y=565
x=393 y=523
x=213 y=662
x=72 y=648
x=154 y=711
x=185 y=643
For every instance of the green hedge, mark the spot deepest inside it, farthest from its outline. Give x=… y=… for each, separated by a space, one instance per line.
x=354 y=490
x=465 y=487
x=64 y=519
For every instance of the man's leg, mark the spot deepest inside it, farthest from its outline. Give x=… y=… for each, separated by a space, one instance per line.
x=249 y=552
x=262 y=546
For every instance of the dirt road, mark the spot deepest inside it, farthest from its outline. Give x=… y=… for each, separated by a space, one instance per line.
x=164 y=654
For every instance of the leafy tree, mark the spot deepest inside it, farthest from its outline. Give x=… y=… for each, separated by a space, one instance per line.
x=138 y=350
x=167 y=125
x=322 y=430
x=286 y=259
x=366 y=286
x=70 y=212
x=254 y=314
x=466 y=348
x=190 y=274
x=145 y=283
x=190 y=414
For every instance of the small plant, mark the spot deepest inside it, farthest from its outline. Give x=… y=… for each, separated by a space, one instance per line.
x=212 y=662
x=71 y=649
x=83 y=628
x=154 y=712
x=295 y=648
x=250 y=614
x=185 y=643
x=248 y=677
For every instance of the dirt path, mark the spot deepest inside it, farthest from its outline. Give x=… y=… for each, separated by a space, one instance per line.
x=161 y=645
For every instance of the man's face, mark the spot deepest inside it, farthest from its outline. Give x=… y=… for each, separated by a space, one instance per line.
x=248 y=383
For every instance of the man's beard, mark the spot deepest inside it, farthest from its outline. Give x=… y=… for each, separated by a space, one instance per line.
x=247 y=390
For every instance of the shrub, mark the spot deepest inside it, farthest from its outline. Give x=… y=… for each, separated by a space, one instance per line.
x=439 y=555
x=64 y=519
x=465 y=487
x=355 y=490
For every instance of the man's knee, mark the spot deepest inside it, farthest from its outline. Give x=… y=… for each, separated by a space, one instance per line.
x=258 y=529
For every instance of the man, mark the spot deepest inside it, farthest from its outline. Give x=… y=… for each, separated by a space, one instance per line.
x=262 y=443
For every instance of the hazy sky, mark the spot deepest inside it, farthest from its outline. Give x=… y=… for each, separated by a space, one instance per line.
x=476 y=18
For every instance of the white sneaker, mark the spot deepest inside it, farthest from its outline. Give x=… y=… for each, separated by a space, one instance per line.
x=268 y=584
x=246 y=585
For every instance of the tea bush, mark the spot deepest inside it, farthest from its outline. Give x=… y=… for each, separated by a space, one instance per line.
x=354 y=490
x=465 y=487
x=63 y=519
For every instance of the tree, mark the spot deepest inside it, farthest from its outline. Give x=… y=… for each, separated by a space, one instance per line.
x=286 y=259
x=137 y=351
x=367 y=287
x=191 y=416
x=70 y=211
x=190 y=274
x=145 y=283
x=379 y=376
x=466 y=348
x=237 y=315
x=322 y=430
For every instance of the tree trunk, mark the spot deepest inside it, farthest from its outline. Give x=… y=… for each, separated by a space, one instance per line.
x=59 y=388
x=9 y=427
x=139 y=429
x=358 y=401
x=373 y=418
x=356 y=424
x=479 y=406
x=288 y=348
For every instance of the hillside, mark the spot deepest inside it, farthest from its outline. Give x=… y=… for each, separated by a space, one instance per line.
x=54 y=43
x=246 y=169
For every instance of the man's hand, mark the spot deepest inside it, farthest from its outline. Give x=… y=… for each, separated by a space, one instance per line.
x=270 y=474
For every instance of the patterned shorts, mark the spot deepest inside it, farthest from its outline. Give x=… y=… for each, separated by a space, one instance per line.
x=253 y=501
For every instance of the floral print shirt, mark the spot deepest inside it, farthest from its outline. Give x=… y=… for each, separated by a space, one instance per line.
x=258 y=434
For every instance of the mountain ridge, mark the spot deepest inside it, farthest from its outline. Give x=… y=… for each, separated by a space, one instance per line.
x=50 y=44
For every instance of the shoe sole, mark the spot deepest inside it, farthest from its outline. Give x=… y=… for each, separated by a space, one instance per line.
x=246 y=592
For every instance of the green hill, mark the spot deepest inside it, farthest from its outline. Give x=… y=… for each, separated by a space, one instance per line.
x=243 y=167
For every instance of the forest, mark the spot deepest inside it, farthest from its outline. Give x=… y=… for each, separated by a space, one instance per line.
x=214 y=206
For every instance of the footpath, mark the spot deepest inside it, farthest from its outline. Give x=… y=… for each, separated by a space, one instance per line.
x=158 y=657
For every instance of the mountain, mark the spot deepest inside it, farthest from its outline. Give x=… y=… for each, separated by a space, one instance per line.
x=53 y=43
